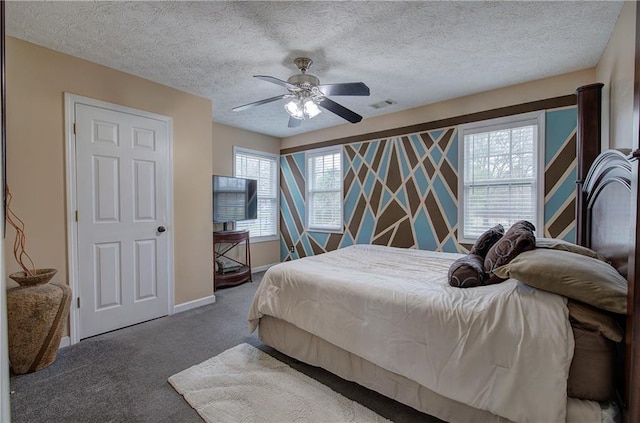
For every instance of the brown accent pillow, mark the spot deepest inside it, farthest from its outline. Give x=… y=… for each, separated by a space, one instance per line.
x=486 y=240
x=594 y=319
x=467 y=272
x=519 y=238
x=560 y=244
x=592 y=367
x=573 y=275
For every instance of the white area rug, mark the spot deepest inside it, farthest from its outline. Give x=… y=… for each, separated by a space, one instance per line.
x=244 y=384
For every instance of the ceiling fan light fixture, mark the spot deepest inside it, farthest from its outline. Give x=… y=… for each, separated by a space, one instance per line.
x=302 y=108
x=311 y=109
x=295 y=109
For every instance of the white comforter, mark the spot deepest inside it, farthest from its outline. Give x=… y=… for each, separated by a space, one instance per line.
x=504 y=348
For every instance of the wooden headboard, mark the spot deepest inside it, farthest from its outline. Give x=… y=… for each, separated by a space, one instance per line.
x=608 y=217
x=606 y=221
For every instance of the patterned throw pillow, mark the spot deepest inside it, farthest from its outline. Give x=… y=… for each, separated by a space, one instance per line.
x=486 y=240
x=517 y=239
x=467 y=272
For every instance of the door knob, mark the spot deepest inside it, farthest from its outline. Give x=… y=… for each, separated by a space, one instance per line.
x=161 y=229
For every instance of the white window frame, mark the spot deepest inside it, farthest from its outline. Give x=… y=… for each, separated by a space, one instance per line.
x=276 y=158
x=316 y=153
x=523 y=119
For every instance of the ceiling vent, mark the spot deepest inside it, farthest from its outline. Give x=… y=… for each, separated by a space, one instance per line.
x=383 y=104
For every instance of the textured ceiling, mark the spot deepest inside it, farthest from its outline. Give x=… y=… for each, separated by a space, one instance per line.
x=414 y=53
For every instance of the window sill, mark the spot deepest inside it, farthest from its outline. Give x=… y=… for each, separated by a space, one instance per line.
x=325 y=230
x=259 y=239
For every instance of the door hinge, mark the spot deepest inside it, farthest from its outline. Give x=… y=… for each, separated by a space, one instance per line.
x=78 y=301
x=74 y=128
x=76 y=215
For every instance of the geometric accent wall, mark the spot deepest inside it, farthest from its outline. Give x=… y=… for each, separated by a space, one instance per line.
x=403 y=191
x=560 y=174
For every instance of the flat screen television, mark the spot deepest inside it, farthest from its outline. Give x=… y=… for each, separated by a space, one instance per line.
x=234 y=199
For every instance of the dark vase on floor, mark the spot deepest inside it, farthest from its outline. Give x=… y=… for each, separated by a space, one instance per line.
x=36 y=314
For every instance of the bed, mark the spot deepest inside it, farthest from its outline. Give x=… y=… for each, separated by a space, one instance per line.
x=387 y=319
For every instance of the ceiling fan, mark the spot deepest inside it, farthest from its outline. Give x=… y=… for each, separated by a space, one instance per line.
x=306 y=94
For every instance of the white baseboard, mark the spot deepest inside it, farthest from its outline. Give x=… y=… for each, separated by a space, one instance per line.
x=190 y=305
x=262 y=268
x=65 y=342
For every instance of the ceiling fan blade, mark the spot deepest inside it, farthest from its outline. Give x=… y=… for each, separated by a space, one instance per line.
x=293 y=122
x=348 y=88
x=339 y=110
x=260 y=102
x=276 y=81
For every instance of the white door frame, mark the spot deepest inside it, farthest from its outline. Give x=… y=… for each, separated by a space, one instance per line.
x=70 y=101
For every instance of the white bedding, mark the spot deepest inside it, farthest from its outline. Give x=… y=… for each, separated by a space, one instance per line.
x=504 y=348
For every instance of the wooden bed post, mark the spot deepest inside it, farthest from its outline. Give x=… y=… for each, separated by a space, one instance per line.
x=632 y=365
x=632 y=362
x=588 y=143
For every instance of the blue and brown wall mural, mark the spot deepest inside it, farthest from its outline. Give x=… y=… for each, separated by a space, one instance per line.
x=403 y=191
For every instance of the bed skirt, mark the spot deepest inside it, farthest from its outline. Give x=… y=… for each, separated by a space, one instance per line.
x=310 y=349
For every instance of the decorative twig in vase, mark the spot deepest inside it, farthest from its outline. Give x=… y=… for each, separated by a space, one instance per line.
x=30 y=275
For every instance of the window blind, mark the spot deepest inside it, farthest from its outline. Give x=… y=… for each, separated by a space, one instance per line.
x=263 y=167
x=324 y=189
x=500 y=174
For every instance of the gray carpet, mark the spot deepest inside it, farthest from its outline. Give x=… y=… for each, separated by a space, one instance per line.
x=121 y=376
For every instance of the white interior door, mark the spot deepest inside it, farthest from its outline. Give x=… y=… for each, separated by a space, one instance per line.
x=122 y=184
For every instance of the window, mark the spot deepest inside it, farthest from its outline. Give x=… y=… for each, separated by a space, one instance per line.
x=324 y=189
x=264 y=168
x=500 y=173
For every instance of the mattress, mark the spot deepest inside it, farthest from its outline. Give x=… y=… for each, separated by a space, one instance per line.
x=316 y=351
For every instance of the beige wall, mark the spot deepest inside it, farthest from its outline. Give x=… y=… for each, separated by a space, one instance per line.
x=224 y=138
x=37 y=79
x=616 y=71
x=531 y=91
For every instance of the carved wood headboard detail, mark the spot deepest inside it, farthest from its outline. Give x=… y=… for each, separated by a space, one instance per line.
x=607 y=191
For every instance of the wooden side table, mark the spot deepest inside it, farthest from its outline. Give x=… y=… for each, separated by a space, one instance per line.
x=230 y=271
